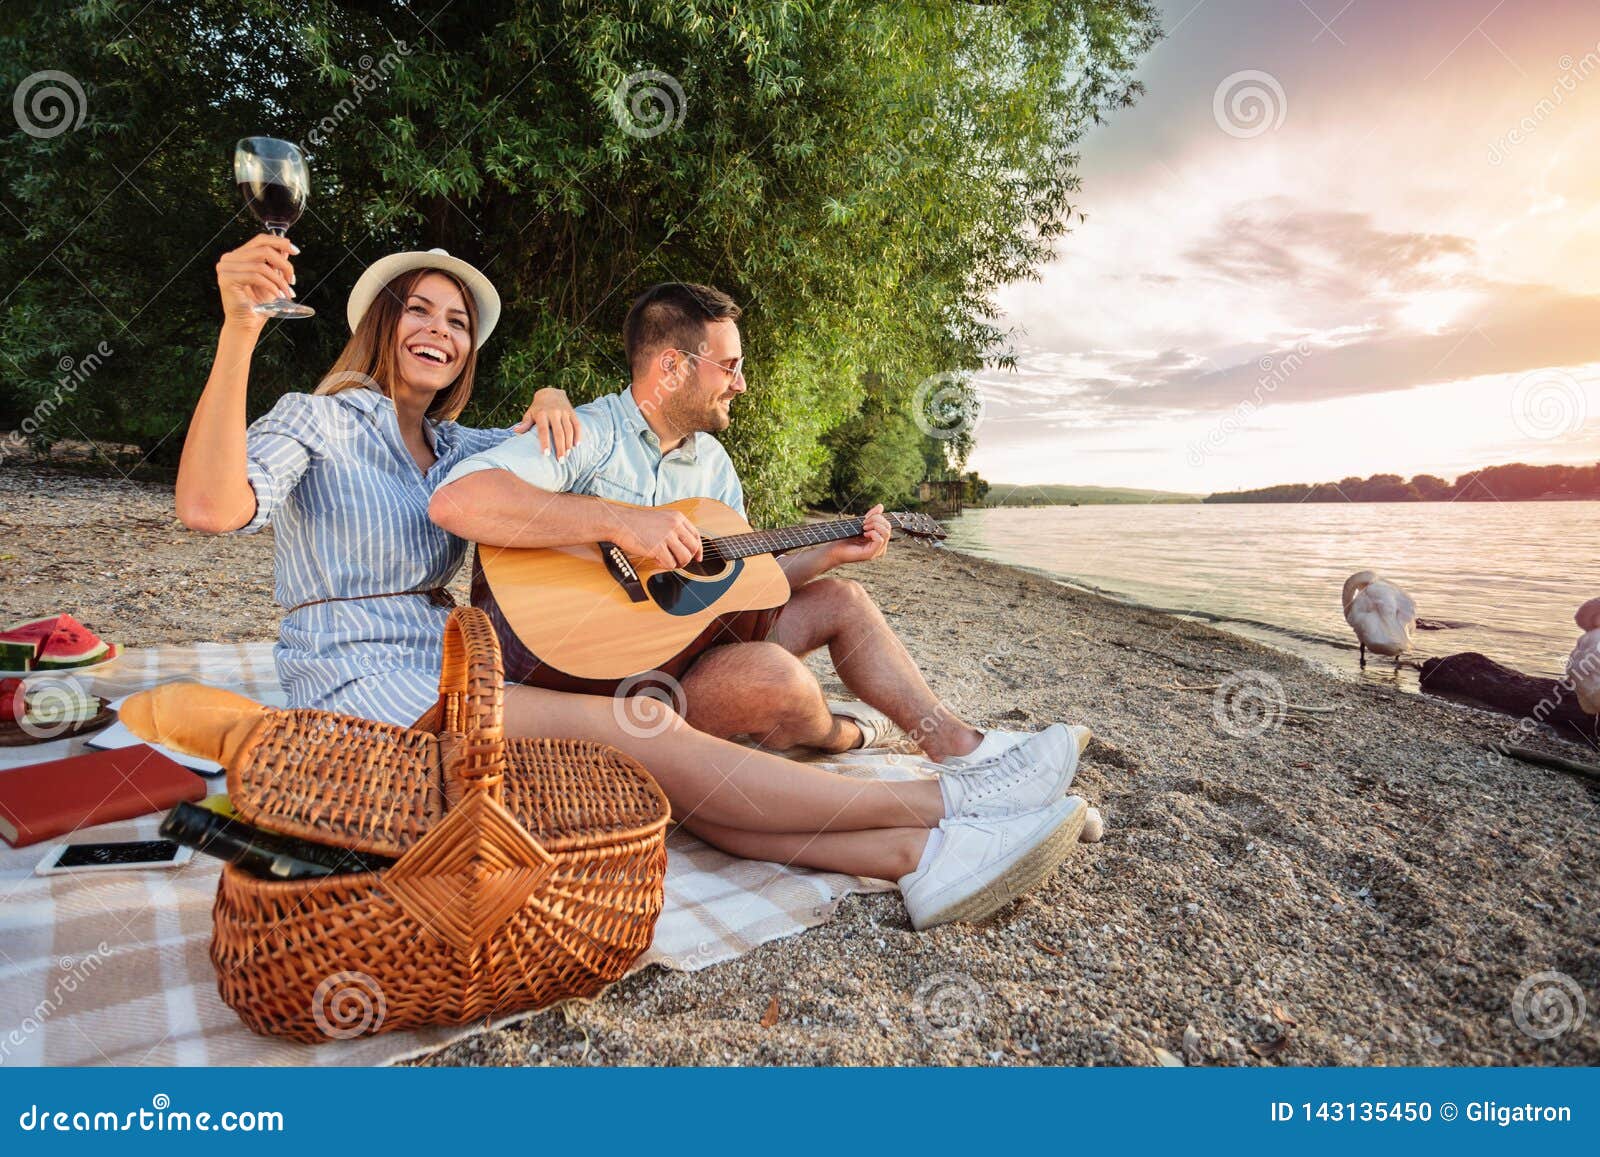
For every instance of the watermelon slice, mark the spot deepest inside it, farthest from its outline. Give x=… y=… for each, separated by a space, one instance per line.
x=20 y=643
x=71 y=644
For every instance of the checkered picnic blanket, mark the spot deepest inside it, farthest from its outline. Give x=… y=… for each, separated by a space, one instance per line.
x=113 y=967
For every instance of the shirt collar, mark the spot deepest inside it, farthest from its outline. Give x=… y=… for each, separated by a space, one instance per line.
x=633 y=418
x=366 y=400
x=363 y=398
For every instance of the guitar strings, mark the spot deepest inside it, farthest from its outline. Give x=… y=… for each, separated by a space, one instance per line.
x=790 y=537
x=786 y=538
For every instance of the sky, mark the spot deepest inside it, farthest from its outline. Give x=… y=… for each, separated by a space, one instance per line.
x=1331 y=239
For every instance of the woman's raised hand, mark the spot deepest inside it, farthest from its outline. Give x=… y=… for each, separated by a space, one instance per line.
x=553 y=416
x=257 y=271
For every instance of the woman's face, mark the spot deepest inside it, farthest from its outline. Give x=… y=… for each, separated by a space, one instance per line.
x=434 y=335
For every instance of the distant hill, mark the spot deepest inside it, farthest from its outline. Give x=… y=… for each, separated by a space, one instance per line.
x=1013 y=494
x=1517 y=482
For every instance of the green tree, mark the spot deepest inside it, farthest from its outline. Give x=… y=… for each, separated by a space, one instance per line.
x=862 y=176
x=1430 y=487
x=876 y=455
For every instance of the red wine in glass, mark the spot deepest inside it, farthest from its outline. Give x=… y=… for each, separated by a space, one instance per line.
x=275 y=181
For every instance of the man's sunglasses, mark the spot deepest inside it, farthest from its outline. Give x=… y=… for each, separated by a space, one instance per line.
x=734 y=372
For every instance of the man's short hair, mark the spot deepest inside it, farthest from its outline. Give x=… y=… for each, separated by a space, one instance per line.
x=673 y=315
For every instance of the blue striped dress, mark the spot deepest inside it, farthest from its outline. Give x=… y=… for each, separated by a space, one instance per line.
x=350 y=511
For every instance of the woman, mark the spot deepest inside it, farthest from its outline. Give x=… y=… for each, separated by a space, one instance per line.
x=347 y=473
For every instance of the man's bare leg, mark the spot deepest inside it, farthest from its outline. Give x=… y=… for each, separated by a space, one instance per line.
x=872 y=662
x=767 y=693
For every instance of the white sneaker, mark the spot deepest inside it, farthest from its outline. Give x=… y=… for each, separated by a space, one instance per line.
x=996 y=743
x=981 y=865
x=1027 y=775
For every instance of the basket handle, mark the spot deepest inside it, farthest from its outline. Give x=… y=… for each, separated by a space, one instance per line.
x=472 y=703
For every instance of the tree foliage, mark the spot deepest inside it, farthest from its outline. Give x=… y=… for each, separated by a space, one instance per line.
x=862 y=176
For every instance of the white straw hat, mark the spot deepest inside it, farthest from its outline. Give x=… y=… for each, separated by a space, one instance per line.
x=386 y=269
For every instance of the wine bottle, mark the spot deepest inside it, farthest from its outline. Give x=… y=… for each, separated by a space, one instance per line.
x=268 y=855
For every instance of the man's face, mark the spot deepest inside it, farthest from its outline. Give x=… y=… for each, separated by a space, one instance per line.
x=704 y=384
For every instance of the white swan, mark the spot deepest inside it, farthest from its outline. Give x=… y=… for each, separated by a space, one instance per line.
x=1583 y=668
x=1383 y=615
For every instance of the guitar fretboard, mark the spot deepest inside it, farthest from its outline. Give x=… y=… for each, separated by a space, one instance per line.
x=784 y=538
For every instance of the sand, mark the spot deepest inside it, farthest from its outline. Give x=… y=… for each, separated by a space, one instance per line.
x=1361 y=886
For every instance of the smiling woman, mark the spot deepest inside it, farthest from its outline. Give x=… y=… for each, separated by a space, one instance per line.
x=418 y=333
x=345 y=474
x=429 y=314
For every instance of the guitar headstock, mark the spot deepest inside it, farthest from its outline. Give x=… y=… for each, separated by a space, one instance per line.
x=918 y=525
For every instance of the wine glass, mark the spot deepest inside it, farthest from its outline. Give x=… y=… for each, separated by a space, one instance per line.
x=275 y=181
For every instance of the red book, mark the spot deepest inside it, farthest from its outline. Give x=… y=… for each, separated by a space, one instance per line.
x=44 y=800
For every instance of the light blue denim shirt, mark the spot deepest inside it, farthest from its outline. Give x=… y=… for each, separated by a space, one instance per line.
x=618 y=456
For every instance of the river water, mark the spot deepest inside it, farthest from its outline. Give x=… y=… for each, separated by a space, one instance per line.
x=1507 y=576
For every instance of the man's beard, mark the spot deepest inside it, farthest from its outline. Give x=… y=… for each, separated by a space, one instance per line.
x=717 y=418
x=692 y=415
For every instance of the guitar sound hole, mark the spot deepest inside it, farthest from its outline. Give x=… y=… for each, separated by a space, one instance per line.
x=705 y=567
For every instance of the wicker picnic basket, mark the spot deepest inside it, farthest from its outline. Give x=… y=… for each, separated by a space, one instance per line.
x=527 y=870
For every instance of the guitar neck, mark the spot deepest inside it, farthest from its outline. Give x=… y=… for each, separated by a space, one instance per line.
x=786 y=538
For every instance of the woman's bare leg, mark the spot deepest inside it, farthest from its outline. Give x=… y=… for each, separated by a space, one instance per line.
x=883 y=854
x=720 y=782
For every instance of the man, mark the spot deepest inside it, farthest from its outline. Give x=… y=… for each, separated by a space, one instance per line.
x=652 y=444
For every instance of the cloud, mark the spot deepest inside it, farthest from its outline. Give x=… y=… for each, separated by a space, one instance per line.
x=1515 y=329
x=1373 y=311
x=1328 y=251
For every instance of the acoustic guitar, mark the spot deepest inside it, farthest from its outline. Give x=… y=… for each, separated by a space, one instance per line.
x=588 y=618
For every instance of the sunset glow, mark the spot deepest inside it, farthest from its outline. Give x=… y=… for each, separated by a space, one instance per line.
x=1324 y=243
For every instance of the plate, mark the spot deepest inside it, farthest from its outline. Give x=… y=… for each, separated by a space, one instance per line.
x=15 y=735
x=116 y=653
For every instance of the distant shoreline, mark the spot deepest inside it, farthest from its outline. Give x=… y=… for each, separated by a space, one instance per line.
x=1216 y=500
x=1513 y=482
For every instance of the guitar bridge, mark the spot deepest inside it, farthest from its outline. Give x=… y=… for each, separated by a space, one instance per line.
x=620 y=569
